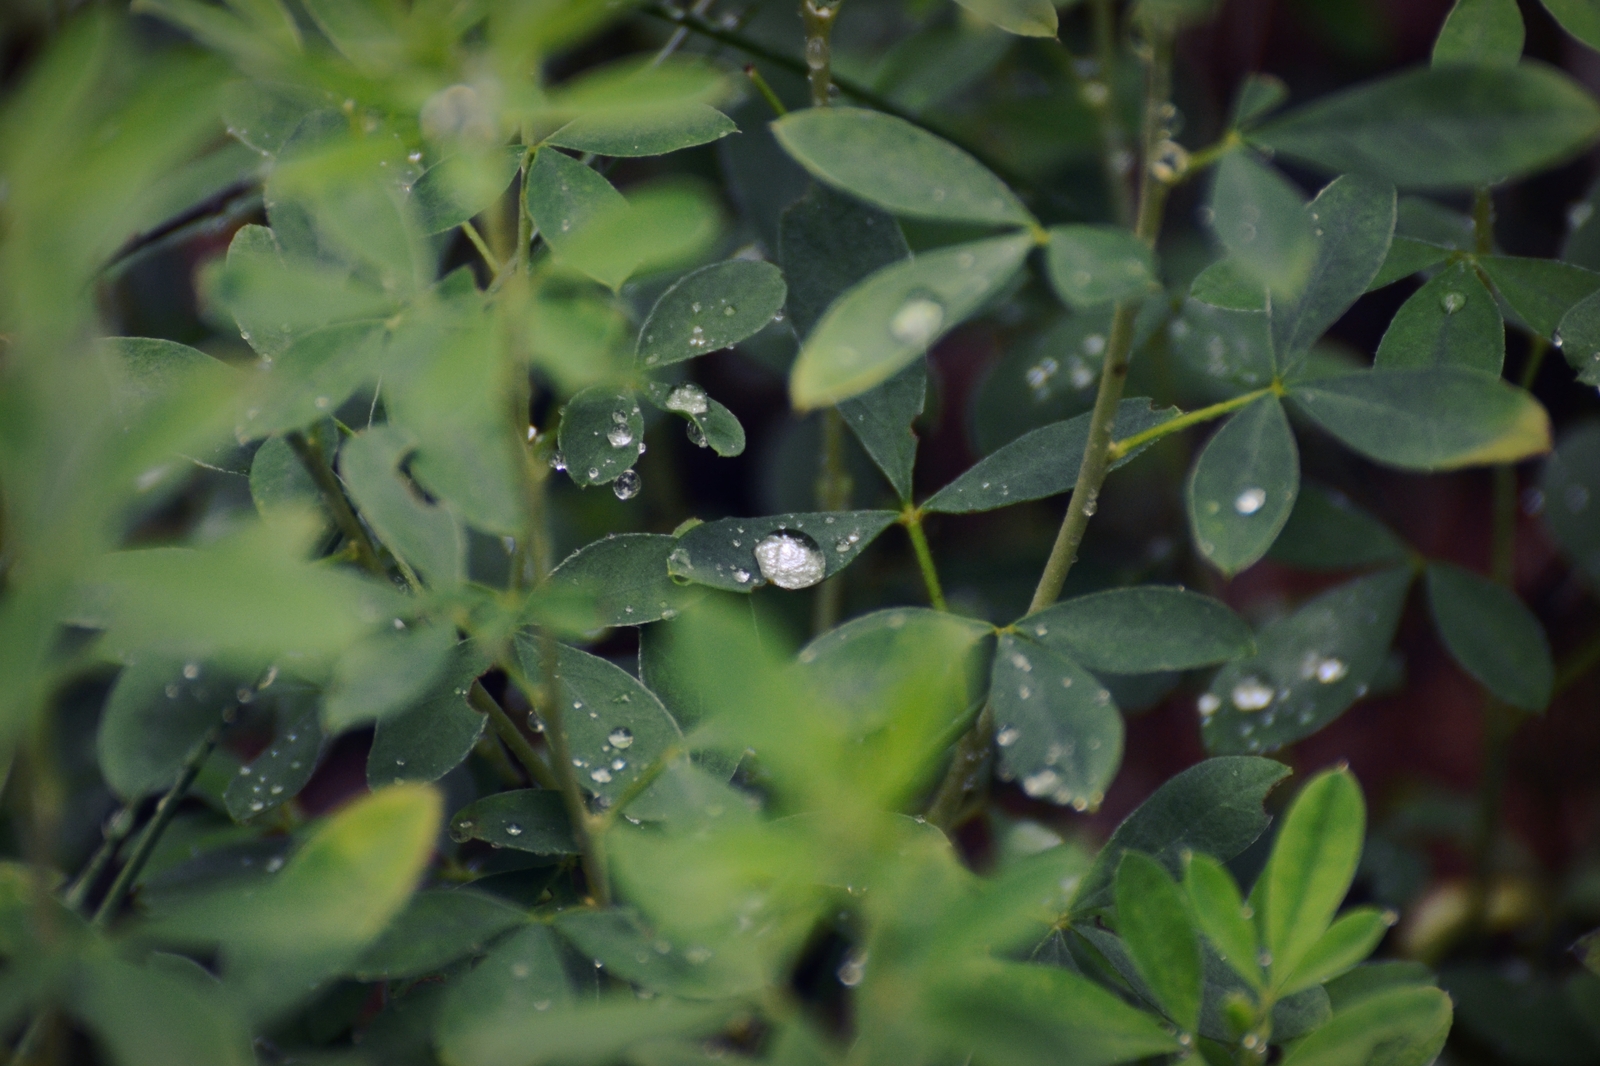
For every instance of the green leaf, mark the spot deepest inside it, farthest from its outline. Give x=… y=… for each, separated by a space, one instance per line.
x=625 y=578
x=1443 y=127
x=1327 y=532
x=1377 y=1029
x=1587 y=948
x=901 y=168
x=1213 y=807
x=1352 y=220
x=616 y=728
x=1309 y=667
x=896 y=314
x=1259 y=95
x=458 y=188
x=1577 y=17
x=1407 y=256
x=1041 y=463
x=1348 y=941
x=1493 y=635
x=1313 y=860
x=1153 y=921
x=1026 y=18
x=1229 y=344
x=594 y=1033
x=278 y=478
x=1024 y=1015
x=1092 y=265
x=366 y=31
x=1050 y=378
x=425 y=536
x=1480 y=32
x=1260 y=219
x=385 y=673
x=312 y=378
x=828 y=242
x=1372 y=977
x=644 y=130
x=264 y=114
x=158 y=1014
x=1451 y=321
x=429 y=738
x=277 y=775
x=1579 y=333
x=1539 y=291
x=792 y=551
x=1438 y=418
x=567 y=198
x=436 y=928
x=712 y=425
x=601 y=435
x=520 y=978
x=155 y=715
x=1141 y=630
x=1571 y=486
x=881 y=418
x=712 y=308
x=1243 y=486
x=632 y=951
x=1220 y=912
x=1058 y=731
x=528 y=819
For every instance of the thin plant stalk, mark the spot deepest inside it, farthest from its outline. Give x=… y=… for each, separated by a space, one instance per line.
x=912 y=520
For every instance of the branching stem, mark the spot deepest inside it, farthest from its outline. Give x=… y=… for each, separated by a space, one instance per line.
x=1182 y=422
x=315 y=461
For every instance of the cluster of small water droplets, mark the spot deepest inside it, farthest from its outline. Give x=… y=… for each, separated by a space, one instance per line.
x=687 y=399
x=1252 y=694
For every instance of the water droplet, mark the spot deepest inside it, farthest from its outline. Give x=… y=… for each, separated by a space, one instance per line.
x=853 y=970
x=558 y=462
x=626 y=487
x=520 y=970
x=741 y=575
x=513 y=829
x=1094 y=344
x=621 y=738
x=688 y=399
x=1556 y=339
x=1209 y=704
x=1038 y=377
x=1041 y=783
x=1251 y=695
x=730 y=311
x=696 y=435
x=1007 y=736
x=1453 y=301
x=191 y=670
x=790 y=560
x=1579 y=213
x=600 y=775
x=917 y=321
x=594 y=473
x=1169 y=162
x=620 y=436
x=1330 y=670
x=1250 y=501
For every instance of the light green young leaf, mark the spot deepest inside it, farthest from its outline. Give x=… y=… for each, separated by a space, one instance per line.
x=1443 y=127
x=1260 y=219
x=1058 y=732
x=1580 y=338
x=527 y=819
x=1092 y=265
x=521 y=977
x=1539 y=291
x=458 y=188
x=828 y=242
x=1154 y=924
x=278 y=774
x=1571 y=486
x=311 y=379
x=1309 y=667
x=792 y=551
x=877 y=328
x=1438 y=418
x=1141 y=630
x=1492 y=634
x=1041 y=463
x=1213 y=807
x=901 y=168
x=436 y=928
x=366 y=31
x=1243 y=486
x=590 y=1034
x=1480 y=32
x=1313 y=860
x=1026 y=18
x=1326 y=531
x=625 y=578
x=1352 y=220
x=712 y=308
x=1220 y=912
x=386 y=672
x=644 y=130
x=436 y=730
x=601 y=435
x=1348 y=941
x=565 y=199
x=425 y=536
x=1408 y=1023
x=1577 y=17
x=881 y=419
x=278 y=479
x=155 y=715
x=1451 y=321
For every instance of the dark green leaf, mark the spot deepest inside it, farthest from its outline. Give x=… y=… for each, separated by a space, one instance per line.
x=1439 y=418
x=1407 y=256
x=427 y=741
x=1577 y=17
x=1451 y=321
x=1227 y=285
x=881 y=419
x=1352 y=222
x=1580 y=338
x=278 y=478
x=1313 y=860
x=829 y=242
x=264 y=114
x=278 y=774
x=601 y=435
x=1539 y=291
x=649 y=129
x=1292 y=1017
x=1348 y=940
x=1213 y=807
x=528 y=819
x=1220 y=912
x=435 y=929
x=625 y=576
x=1153 y=921
x=1092 y=265
x=385 y=673
x=1141 y=630
x=425 y=536
x=521 y=977
x=1443 y=127
x=792 y=551
x=566 y=199
x=1399 y=1027
x=1571 y=487
x=1328 y=532
x=1027 y=18
x=713 y=308
x=156 y=713
x=1587 y=949
x=1493 y=635
x=1047 y=379
x=632 y=951
x=901 y=168
x=1232 y=345
x=1310 y=666
x=312 y=378
x=1481 y=32
x=1039 y=464
x=871 y=332
x=1243 y=486
x=458 y=188
x=1259 y=95
x=712 y=425
x=1260 y=219
x=158 y=1014
x=1057 y=729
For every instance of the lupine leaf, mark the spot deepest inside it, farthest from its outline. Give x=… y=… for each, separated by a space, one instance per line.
x=1482 y=32
x=1243 y=486
x=1058 y=731
x=712 y=308
x=1140 y=630
x=1451 y=321
x=1091 y=265
x=601 y=435
x=1313 y=860
x=436 y=928
x=528 y=819
x=1493 y=635
x=1572 y=495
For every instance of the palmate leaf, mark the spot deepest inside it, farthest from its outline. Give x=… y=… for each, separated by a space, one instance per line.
x=792 y=551
x=1352 y=225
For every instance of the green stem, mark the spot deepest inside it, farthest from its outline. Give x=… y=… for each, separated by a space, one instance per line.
x=833 y=494
x=1538 y=348
x=526 y=754
x=818 y=16
x=483 y=248
x=315 y=461
x=1201 y=158
x=1114 y=157
x=964 y=777
x=911 y=518
x=765 y=90
x=1483 y=221
x=1193 y=418
x=117 y=829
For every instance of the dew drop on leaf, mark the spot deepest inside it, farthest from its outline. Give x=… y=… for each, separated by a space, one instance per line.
x=621 y=738
x=1452 y=302
x=1250 y=501
x=688 y=399
x=1251 y=695
x=790 y=560
x=917 y=321
x=626 y=487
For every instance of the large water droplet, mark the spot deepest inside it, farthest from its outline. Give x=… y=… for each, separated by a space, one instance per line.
x=620 y=436
x=1209 y=704
x=696 y=435
x=688 y=399
x=918 y=321
x=1250 y=501
x=626 y=487
x=600 y=775
x=1007 y=736
x=1251 y=695
x=1041 y=783
x=621 y=738
x=790 y=560
x=1452 y=302
x=513 y=829
x=853 y=969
